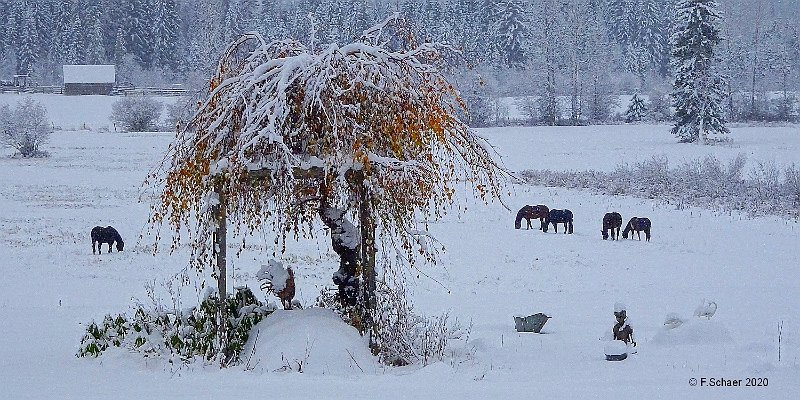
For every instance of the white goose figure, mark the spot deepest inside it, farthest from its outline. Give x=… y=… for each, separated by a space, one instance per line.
x=706 y=309
x=673 y=321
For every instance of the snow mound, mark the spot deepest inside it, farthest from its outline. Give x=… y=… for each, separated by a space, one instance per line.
x=312 y=341
x=694 y=332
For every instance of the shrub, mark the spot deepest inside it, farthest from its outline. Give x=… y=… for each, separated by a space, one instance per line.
x=187 y=335
x=136 y=114
x=400 y=336
x=25 y=127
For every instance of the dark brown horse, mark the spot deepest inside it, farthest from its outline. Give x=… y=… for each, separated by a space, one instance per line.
x=532 y=212
x=108 y=235
x=612 y=221
x=556 y=217
x=637 y=225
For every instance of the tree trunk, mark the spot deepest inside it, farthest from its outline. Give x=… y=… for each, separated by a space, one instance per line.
x=220 y=268
x=367 y=229
x=356 y=277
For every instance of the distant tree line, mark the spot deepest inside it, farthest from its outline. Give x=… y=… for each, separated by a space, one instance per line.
x=582 y=50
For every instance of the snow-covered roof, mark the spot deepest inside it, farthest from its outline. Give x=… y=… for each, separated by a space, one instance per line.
x=89 y=74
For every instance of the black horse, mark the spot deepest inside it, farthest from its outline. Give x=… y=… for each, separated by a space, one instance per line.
x=556 y=217
x=612 y=221
x=108 y=235
x=638 y=225
x=531 y=212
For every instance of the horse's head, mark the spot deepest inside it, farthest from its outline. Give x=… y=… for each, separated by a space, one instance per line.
x=605 y=233
x=120 y=245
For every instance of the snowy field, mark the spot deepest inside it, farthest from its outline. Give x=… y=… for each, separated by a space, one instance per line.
x=52 y=285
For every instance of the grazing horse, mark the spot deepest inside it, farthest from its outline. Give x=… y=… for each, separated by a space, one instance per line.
x=531 y=212
x=638 y=225
x=108 y=235
x=556 y=217
x=612 y=221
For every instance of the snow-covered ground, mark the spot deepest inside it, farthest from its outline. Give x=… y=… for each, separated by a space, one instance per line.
x=52 y=285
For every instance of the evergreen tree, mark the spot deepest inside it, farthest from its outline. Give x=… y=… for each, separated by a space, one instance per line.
x=362 y=17
x=135 y=23
x=698 y=87
x=72 y=41
x=5 y=41
x=27 y=39
x=95 y=52
x=636 y=110
x=510 y=33
x=165 y=35
x=119 y=46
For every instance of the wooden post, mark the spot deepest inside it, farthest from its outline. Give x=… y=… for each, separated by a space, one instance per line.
x=220 y=268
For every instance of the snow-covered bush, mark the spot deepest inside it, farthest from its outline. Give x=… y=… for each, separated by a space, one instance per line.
x=25 y=127
x=176 y=115
x=136 y=114
x=793 y=184
x=186 y=335
x=404 y=337
x=401 y=336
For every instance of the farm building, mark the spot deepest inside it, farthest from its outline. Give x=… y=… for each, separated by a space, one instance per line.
x=89 y=79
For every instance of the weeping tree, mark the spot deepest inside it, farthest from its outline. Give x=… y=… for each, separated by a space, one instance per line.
x=364 y=138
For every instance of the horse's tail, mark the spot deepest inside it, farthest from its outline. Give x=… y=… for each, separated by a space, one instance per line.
x=647 y=234
x=570 y=225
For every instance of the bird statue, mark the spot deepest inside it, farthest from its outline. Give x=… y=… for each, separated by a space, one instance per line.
x=706 y=309
x=276 y=279
x=673 y=321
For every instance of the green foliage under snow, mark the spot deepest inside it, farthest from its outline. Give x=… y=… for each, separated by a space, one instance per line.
x=187 y=335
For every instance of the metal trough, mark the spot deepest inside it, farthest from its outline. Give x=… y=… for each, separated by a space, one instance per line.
x=532 y=323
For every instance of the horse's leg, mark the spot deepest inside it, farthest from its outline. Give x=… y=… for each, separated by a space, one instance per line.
x=109 y=246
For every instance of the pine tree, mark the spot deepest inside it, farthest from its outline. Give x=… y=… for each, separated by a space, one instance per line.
x=27 y=39
x=95 y=52
x=510 y=33
x=698 y=88
x=5 y=40
x=119 y=46
x=165 y=34
x=636 y=110
x=72 y=41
